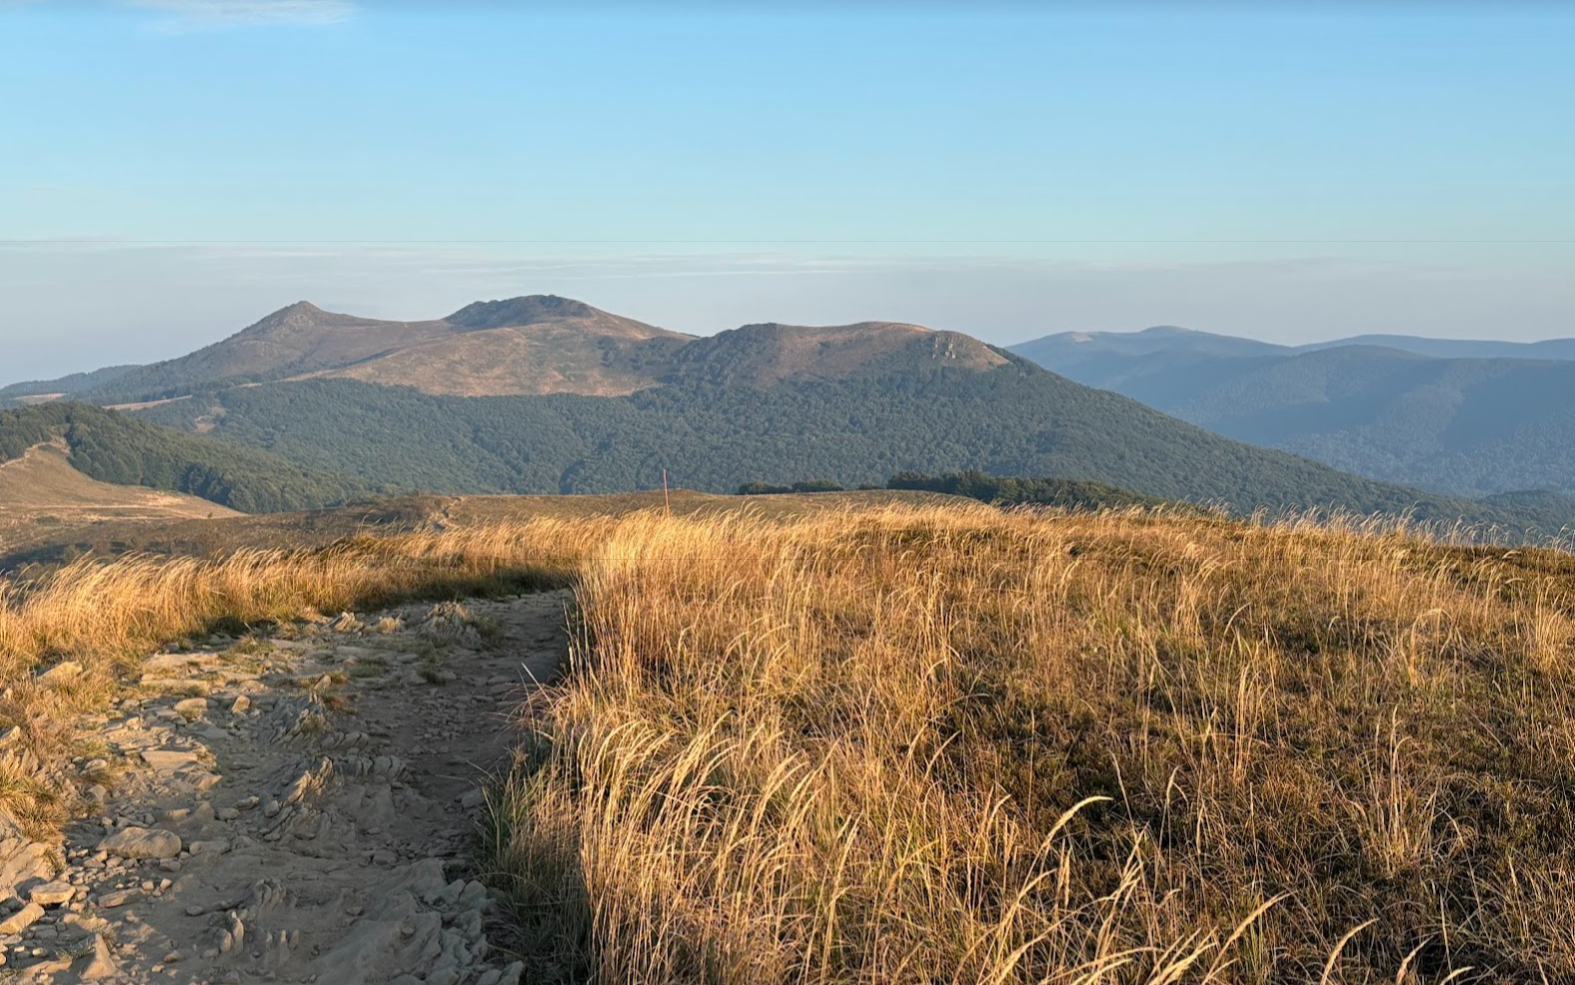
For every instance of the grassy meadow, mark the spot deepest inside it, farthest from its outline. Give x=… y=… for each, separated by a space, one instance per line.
x=927 y=743
x=956 y=745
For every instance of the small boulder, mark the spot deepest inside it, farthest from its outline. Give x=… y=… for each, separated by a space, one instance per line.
x=25 y=862
x=61 y=673
x=142 y=843
x=98 y=965
x=52 y=893
x=21 y=919
x=170 y=760
x=119 y=897
x=192 y=709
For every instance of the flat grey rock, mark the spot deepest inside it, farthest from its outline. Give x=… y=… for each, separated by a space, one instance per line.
x=138 y=843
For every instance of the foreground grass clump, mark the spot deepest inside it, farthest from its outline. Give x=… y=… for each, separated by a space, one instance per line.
x=97 y=618
x=956 y=745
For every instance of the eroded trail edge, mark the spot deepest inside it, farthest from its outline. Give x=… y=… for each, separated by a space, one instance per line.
x=294 y=810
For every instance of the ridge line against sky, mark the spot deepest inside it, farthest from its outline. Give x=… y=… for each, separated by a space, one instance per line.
x=1297 y=174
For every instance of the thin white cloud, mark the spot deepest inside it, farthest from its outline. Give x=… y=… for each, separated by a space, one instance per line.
x=184 y=16
x=463 y=260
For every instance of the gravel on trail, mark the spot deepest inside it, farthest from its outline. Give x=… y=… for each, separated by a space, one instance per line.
x=298 y=809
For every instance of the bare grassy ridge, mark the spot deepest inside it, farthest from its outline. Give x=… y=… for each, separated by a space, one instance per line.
x=953 y=745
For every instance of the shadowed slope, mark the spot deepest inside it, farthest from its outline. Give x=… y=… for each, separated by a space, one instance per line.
x=1462 y=426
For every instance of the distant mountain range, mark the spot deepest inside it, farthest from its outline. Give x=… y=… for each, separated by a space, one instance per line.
x=1458 y=348
x=1070 y=347
x=1457 y=417
x=523 y=346
x=545 y=394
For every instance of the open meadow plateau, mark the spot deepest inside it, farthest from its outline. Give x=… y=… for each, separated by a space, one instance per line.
x=833 y=738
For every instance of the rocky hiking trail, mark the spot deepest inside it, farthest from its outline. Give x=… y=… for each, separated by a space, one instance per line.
x=297 y=809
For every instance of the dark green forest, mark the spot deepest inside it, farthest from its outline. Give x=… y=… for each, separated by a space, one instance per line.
x=115 y=447
x=993 y=489
x=1072 y=494
x=1014 y=421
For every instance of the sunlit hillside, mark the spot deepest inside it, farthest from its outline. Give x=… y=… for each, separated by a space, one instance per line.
x=961 y=746
x=947 y=743
x=40 y=492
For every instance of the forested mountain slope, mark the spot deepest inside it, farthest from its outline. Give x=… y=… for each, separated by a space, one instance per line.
x=544 y=394
x=116 y=448
x=45 y=390
x=1015 y=420
x=1462 y=426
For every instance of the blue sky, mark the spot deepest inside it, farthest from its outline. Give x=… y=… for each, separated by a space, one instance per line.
x=171 y=170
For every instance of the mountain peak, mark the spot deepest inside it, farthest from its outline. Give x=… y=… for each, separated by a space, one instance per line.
x=298 y=309
x=1167 y=330
x=527 y=310
x=300 y=316
x=543 y=343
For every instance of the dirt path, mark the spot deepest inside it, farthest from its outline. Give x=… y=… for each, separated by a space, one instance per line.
x=296 y=810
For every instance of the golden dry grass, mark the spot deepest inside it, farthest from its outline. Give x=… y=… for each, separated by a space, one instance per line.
x=908 y=743
x=955 y=745
x=102 y=616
